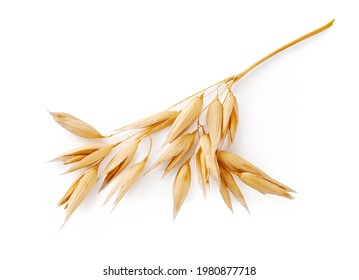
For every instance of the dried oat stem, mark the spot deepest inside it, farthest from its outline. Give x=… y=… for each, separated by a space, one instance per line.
x=286 y=46
x=233 y=79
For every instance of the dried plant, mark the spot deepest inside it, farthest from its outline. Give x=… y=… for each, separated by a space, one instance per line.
x=188 y=139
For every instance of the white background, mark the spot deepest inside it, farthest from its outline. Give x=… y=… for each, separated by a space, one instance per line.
x=113 y=62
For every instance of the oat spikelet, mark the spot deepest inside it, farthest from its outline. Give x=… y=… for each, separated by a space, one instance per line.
x=262 y=185
x=230 y=117
x=202 y=171
x=180 y=187
x=153 y=120
x=214 y=120
x=223 y=189
x=73 y=159
x=127 y=151
x=114 y=173
x=231 y=184
x=228 y=105
x=69 y=192
x=176 y=147
x=82 y=150
x=186 y=118
x=69 y=159
x=238 y=165
x=78 y=191
x=177 y=158
x=156 y=127
x=92 y=158
x=126 y=180
x=211 y=158
x=233 y=123
x=75 y=125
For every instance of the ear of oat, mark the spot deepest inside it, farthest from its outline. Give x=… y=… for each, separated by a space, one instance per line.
x=68 y=159
x=214 y=120
x=230 y=117
x=279 y=184
x=73 y=159
x=238 y=165
x=175 y=161
x=223 y=189
x=81 y=190
x=83 y=150
x=75 y=125
x=156 y=127
x=109 y=177
x=227 y=112
x=233 y=123
x=262 y=185
x=177 y=158
x=127 y=185
x=235 y=107
x=114 y=173
x=180 y=187
x=69 y=192
x=153 y=120
x=211 y=158
x=127 y=151
x=92 y=158
x=233 y=187
x=126 y=180
x=186 y=118
x=202 y=171
x=175 y=148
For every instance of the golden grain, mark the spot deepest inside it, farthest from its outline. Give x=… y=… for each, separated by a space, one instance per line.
x=153 y=120
x=152 y=129
x=186 y=118
x=177 y=158
x=82 y=150
x=128 y=151
x=75 y=125
x=78 y=191
x=233 y=123
x=230 y=116
x=114 y=173
x=211 y=158
x=223 y=189
x=231 y=184
x=262 y=185
x=202 y=171
x=228 y=104
x=126 y=180
x=176 y=148
x=72 y=159
x=214 y=120
x=92 y=158
x=69 y=192
x=180 y=187
x=237 y=164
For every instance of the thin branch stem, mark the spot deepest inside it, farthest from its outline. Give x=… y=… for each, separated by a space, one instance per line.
x=286 y=46
x=150 y=149
x=235 y=78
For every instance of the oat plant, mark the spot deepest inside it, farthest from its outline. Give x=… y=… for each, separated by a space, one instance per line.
x=197 y=134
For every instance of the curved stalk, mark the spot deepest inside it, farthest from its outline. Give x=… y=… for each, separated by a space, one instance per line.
x=236 y=78
x=294 y=42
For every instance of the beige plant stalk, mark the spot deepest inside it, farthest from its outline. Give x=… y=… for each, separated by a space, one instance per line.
x=187 y=139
